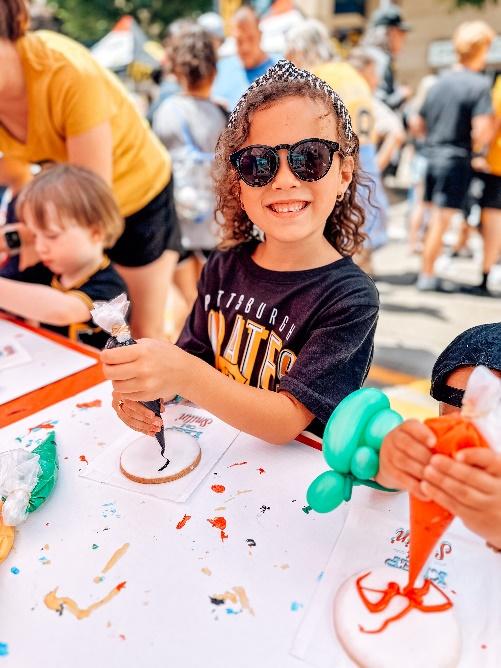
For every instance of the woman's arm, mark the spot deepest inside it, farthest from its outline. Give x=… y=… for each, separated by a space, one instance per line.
x=157 y=369
x=42 y=303
x=93 y=149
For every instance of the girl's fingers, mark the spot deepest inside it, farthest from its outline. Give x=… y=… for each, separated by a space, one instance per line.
x=419 y=432
x=412 y=485
x=410 y=448
x=140 y=420
x=121 y=372
x=461 y=492
x=406 y=464
x=483 y=458
x=464 y=473
x=443 y=499
x=121 y=355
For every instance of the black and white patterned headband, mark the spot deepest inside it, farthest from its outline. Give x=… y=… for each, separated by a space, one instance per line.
x=284 y=70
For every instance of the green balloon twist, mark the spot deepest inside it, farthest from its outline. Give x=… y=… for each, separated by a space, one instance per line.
x=352 y=439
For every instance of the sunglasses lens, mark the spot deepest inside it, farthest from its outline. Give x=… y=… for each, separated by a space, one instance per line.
x=311 y=160
x=257 y=166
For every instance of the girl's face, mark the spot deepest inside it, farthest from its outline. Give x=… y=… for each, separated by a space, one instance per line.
x=287 y=209
x=64 y=246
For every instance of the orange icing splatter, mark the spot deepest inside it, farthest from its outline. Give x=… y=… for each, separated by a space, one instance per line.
x=182 y=522
x=90 y=404
x=219 y=489
x=219 y=523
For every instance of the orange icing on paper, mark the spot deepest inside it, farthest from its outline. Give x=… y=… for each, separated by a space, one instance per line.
x=415 y=597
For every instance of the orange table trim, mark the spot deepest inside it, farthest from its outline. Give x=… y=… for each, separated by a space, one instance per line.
x=35 y=401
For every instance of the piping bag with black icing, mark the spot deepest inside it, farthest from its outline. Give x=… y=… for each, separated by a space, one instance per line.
x=110 y=316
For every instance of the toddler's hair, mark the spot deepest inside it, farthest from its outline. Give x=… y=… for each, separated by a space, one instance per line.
x=76 y=193
x=343 y=225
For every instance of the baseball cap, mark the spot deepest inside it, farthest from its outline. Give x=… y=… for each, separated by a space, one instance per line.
x=390 y=18
x=480 y=345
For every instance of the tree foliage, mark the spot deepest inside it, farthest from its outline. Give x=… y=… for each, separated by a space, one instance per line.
x=479 y=4
x=88 y=20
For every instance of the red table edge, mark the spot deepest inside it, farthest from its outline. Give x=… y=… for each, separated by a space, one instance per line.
x=46 y=396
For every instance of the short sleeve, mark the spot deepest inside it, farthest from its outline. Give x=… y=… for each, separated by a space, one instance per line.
x=334 y=361
x=103 y=286
x=80 y=99
x=194 y=338
x=483 y=102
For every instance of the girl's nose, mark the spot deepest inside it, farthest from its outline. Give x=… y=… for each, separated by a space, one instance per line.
x=284 y=178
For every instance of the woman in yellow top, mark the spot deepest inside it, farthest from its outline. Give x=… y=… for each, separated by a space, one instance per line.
x=57 y=104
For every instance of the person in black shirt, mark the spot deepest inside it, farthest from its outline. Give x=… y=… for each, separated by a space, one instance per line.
x=456 y=120
x=283 y=310
x=72 y=215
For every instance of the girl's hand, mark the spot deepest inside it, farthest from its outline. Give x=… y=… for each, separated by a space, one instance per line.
x=404 y=455
x=148 y=370
x=135 y=415
x=468 y=486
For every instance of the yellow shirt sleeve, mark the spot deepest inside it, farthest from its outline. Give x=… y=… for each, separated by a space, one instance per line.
x=80 y=100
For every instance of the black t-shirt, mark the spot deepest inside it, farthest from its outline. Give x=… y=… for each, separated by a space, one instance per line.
x=308 y=332
x=103 y=285
x=451 y=104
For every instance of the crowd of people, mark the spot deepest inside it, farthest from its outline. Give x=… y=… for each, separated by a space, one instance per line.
x=255 y=198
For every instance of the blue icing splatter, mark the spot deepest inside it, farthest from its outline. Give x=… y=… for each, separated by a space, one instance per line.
x=14 y=570
x=230 y=611
x=295 y=606
x=4 y=649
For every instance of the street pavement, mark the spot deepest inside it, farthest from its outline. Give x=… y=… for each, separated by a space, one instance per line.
x=414 y=327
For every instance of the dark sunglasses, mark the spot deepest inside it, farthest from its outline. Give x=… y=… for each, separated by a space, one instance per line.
x=309 y=160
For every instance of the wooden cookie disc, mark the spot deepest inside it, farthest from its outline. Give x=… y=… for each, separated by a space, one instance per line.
x=142 y=462
x=418 y=639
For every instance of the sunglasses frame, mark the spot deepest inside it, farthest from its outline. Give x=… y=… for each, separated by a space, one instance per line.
x=333 y=147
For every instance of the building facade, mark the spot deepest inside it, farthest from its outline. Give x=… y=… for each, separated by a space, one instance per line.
x=428 y=46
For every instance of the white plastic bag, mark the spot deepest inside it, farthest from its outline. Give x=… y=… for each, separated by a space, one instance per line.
x=482 y=405
x=19 y=472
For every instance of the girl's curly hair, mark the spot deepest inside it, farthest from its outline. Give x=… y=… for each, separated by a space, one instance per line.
x=343 y=227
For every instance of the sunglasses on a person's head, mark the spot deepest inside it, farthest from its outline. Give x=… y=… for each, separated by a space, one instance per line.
x=309 y=160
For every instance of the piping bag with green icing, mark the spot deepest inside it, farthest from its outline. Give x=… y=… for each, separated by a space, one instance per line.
x=27 y=479
x=110 y=316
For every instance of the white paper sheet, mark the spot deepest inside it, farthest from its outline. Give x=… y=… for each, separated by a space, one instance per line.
x=49 y=362
x=213 y=435
x=468 y=572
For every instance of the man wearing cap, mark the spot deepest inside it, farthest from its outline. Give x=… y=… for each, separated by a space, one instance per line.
x=468 y=485
x=386 y=37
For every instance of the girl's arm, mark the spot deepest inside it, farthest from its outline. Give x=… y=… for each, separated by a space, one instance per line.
x=42 y=303
x=157 y=369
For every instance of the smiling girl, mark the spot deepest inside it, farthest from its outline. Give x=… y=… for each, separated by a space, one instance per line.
x=281 y=309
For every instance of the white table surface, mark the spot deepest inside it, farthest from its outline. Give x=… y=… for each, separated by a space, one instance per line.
x=164 y=616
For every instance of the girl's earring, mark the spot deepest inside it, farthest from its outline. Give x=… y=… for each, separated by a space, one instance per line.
x=340 y=197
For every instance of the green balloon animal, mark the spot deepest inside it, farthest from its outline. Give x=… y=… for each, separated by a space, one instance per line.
x=352 y=439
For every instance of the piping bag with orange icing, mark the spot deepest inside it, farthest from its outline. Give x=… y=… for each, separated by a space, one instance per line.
x=477 y=426
x=110 y=316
